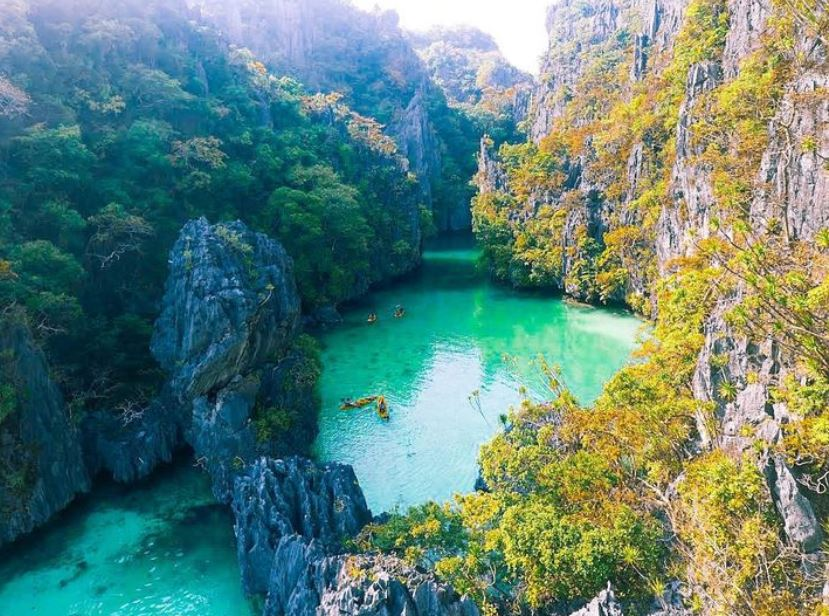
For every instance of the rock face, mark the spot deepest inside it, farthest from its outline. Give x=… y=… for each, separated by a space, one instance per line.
x=311 y=585
x=792 y=187
x=604 y=604
x=275 y=499
x=292 y=517
x=130 y=445
x=230 y=315
x=225 y=336
x=230 y=305
x=41 y=463
x=573 y=28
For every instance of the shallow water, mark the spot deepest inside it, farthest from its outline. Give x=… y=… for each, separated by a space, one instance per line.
x=161 y=548
x=461 y=334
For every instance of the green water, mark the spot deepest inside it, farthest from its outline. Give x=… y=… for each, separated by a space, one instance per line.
x=461 y=334
x=164 y=547
x=160 y=548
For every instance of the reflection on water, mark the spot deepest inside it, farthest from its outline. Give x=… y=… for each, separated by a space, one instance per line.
x=461 y=334
x=161 y=548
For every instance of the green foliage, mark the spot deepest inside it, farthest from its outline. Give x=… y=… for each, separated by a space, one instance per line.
x=271 y=422
x=727 y=523
x=8 y=401
x=424 y=534
x=291 y=416
x=139 y=118
x=561 y=557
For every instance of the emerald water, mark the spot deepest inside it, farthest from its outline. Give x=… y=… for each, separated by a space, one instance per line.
x=159 y=548
x=460 y=335
x=164 y=548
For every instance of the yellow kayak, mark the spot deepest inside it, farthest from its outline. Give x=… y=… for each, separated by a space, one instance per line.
x=357 y=404
x=382 y=408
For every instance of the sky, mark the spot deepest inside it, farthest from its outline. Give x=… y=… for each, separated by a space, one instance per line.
x=517 y=25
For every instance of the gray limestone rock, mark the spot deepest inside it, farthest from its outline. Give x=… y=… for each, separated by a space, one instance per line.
x=41 y=462
x=230 y=305
x=273 y=499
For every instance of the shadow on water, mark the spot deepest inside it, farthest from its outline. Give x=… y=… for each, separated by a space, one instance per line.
x=176 y=500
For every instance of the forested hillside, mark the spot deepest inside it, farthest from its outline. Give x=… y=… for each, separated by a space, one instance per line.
x=467 y=64
x=331 y=46
x=677 y=164
x=123 y=121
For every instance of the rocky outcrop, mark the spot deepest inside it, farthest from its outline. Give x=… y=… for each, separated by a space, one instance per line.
x=292 y=520
x=230 y=305
x=795 y=184
x=311 y=585
x=41 y=462
x=418 y=141
x=799 y=520
x=604 y=604
x=230 y=316
x=687 y=217
x=752 y=369
x=576 y=30
x=131 y=443
x=277 y=499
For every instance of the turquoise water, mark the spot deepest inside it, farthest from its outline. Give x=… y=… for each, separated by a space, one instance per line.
x=160 y=548
x=460 y=335
x=164 y=548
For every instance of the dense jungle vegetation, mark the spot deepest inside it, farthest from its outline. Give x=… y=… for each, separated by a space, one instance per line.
x=368 y=59
x=129 y=118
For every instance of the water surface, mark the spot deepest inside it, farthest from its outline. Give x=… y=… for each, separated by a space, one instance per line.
x=159 y=548
x=165 y=548
x=461 y=335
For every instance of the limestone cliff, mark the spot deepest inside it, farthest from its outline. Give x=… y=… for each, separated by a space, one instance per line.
x=624 y=205
x=229 y=319
x=41 y=462
x=331 y=46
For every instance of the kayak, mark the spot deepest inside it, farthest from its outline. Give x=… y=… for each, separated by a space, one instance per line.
x=382 y=408
x=357 y=404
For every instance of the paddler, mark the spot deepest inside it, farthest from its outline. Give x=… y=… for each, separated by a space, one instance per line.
x=382 y=408
x=372 y=317
x=399 y=312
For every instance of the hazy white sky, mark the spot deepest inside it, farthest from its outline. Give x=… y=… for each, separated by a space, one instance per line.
x=517 y=25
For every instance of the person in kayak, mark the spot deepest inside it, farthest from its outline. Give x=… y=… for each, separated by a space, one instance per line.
x=382 y=408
